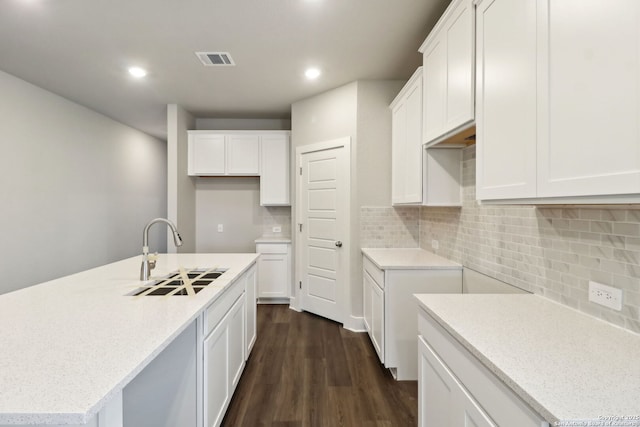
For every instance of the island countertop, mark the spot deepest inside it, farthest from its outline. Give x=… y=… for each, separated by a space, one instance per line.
x=69 y=345
x=571 y=368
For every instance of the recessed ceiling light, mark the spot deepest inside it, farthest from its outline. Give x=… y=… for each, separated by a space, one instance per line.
x=137 y=72
x=312 y=73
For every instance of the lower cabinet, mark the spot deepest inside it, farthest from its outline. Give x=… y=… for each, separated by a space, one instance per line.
x=455 y=389
x=444 y=401
x=390 y=310
x=373 y=308
x=224 y=351
x=229 y=334
x=274 y=271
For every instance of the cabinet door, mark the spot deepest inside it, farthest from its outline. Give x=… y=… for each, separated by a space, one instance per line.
x=448 y=55
x=506 y=128
x=251 y=310
x=273 y=276
x=374 y=313
x=274 y=170
x=217 y=390
x=412 y=166
x=442 y=400
x=398 y=150
x=591 y=109
x=434 y=65
x=243 y=154
x=377 y=320
x=206 y=154
x=367 y=302
x=237 y=342
x=406 y=143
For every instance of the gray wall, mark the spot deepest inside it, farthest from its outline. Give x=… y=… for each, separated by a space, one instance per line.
x=359 y=110
x=77 y=187
x=181 y=190
x=242 y=124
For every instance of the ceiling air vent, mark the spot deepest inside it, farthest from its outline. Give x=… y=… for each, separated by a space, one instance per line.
x=215 y=59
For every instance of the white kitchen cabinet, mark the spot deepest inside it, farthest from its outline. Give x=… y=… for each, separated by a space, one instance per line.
x=251 y=309
x=373 y=307
x=558 y=85
x=243 y=154
x=224 y=359
x=430 y=177
x=213 y=153
x=448 y=73
x=406 y=143
x=455 y=389
x=444 y=401
x=275 y=169
x=274 y=271
x=390 y=310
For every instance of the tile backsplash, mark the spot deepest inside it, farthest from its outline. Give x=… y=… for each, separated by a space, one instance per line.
x=389 y=227
x=276 y=216
x=549 y=250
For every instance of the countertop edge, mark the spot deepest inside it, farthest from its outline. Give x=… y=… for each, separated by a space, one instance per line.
x=420 y=266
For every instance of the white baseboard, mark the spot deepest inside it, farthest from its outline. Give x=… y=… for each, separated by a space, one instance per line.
x=355 y=324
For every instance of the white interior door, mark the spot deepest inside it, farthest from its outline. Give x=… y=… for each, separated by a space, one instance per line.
x=323 y=217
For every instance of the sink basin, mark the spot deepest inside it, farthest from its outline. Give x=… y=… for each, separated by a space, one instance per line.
x=173 y=284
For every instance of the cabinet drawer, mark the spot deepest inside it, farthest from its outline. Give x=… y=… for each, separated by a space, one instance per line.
x=499 y=401
x=272 y=248
x=216 y=311
x=376 y=274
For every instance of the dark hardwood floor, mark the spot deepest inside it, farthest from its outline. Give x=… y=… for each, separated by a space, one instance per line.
x=308 y=371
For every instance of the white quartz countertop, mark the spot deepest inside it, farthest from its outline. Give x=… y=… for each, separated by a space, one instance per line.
x=408 y=259
x=69 y=345
x=273 y=239
x=569 y=367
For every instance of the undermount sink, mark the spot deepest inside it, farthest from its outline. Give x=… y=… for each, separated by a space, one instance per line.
x=173 y=283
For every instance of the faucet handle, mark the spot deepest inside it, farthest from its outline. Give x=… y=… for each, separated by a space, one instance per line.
x=152 y=261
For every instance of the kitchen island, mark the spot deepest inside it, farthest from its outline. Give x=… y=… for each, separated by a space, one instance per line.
x=69 y=347
x=524 y=360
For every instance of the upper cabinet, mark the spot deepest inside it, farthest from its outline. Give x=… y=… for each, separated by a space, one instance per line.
x=274 y=166
x=419 y=176
x=448 y=74
x=558 y=101
x=214 y=153
x=244 y=153
x=406 y=143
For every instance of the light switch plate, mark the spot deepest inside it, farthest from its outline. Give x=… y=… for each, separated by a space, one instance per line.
x=605 y=295
x=220 y=228
x=277 y=229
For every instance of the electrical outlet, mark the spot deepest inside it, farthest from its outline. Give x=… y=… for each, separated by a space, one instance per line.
x=605 y=295
x=277 y=229
x=220 y=228
x=435 y=245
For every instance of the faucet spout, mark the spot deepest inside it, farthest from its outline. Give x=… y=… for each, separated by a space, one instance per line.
x=148 y=265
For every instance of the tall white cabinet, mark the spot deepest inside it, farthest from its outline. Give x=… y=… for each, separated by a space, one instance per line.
x=419 y=175
x=558 y=99
x=406 y=147
x=448 y=73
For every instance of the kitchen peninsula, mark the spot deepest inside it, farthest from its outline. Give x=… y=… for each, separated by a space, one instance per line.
x=84 y=350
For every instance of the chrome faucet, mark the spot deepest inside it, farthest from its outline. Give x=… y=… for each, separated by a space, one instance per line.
x=147 y=264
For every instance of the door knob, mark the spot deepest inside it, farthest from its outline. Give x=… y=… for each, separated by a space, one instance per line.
x=339 y=244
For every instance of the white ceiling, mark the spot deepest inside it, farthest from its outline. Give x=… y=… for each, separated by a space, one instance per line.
x=81 y=49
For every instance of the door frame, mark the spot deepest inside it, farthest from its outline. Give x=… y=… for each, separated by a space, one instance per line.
x=296 y=302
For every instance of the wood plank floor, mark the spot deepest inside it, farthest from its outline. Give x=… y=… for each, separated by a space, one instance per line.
x=308 y=371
